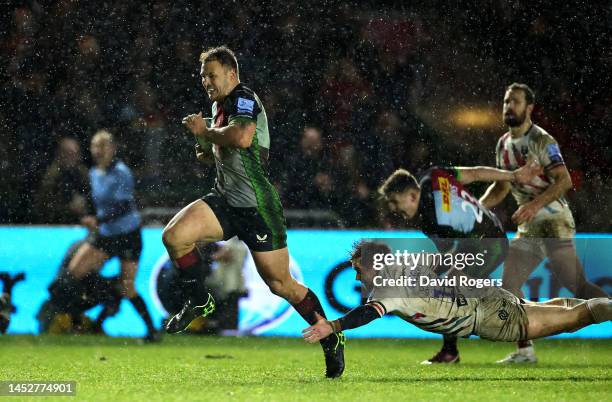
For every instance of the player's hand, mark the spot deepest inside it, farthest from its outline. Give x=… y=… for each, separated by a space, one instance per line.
x=528 y=171
x=195 y=123
x=89 y=221
x=200 y=153
x=525 y=213
x=320 y=330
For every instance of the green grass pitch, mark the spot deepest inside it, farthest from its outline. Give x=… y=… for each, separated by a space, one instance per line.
x=186 y=368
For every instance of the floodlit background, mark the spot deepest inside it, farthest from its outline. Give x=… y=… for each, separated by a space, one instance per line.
x=353 y=90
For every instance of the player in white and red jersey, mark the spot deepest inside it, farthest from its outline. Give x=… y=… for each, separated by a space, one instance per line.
x=492 y=313
x=545 y=223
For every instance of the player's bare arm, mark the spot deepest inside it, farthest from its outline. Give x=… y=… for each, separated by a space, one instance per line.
x=562 y=183
x=357 y=317
x=203 y=155
x=495 y=194
x=521 y=175
x=238 y=134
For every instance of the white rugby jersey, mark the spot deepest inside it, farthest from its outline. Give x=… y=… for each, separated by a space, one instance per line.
x=512 y=153
x=440 y=309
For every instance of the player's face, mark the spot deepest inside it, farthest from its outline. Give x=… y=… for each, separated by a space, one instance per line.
x=102 y=151
x=216 y=80
x=357 y=268
x=403 y=204
x=516 y=110
x=365 y=276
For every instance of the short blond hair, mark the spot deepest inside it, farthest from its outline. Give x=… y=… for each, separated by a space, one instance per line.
x=399 y=181
x=104 y=135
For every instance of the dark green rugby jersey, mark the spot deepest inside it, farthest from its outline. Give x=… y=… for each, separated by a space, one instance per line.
x=242 y=177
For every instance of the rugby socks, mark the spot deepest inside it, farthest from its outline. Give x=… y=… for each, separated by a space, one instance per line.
x=310 y=305
x=600 y=309
x=141 y=308
x=189 y=260
x=524 y=344
x=67 y=292
x=104 y=314
x=450 y=345
x=307 y=308
x=191 y=274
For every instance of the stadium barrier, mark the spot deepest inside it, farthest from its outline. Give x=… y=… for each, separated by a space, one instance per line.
x=296 y=218
x=318 y=259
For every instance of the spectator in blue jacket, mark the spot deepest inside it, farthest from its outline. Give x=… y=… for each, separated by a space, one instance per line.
x=115 y=227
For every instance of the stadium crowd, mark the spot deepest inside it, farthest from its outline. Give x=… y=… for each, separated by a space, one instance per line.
x=344 y=87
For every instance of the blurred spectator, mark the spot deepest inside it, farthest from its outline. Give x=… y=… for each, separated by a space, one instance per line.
x=359 y=210
x=309 y=183
x=227 y=277
x=227 y=282
x=62 y=195
x=382 y=149
x=114 y=231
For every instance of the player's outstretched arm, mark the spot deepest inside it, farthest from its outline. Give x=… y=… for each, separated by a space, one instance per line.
x=495 y=194
x=522 y=175
x=357 y=317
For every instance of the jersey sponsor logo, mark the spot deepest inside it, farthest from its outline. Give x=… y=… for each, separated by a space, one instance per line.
x=554 y=153
x=245 y=105
x=445 y=189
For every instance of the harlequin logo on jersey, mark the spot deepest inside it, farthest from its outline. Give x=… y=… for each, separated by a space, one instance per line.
x=445 y=190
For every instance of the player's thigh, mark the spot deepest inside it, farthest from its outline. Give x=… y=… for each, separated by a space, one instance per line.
x=568 y=269
x=565 y=263
x=128 y=277
x=195 y=222
x=273 y=267
x=519 y=264
x=87 y=259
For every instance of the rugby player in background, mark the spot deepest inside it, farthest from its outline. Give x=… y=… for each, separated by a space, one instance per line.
x=243 y=202
x=545 y=223
x=114 y=228
x=453 y=219
x=492 y=313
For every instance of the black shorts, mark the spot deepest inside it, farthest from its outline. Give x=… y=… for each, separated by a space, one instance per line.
x=126 y=246
x=260 y=230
